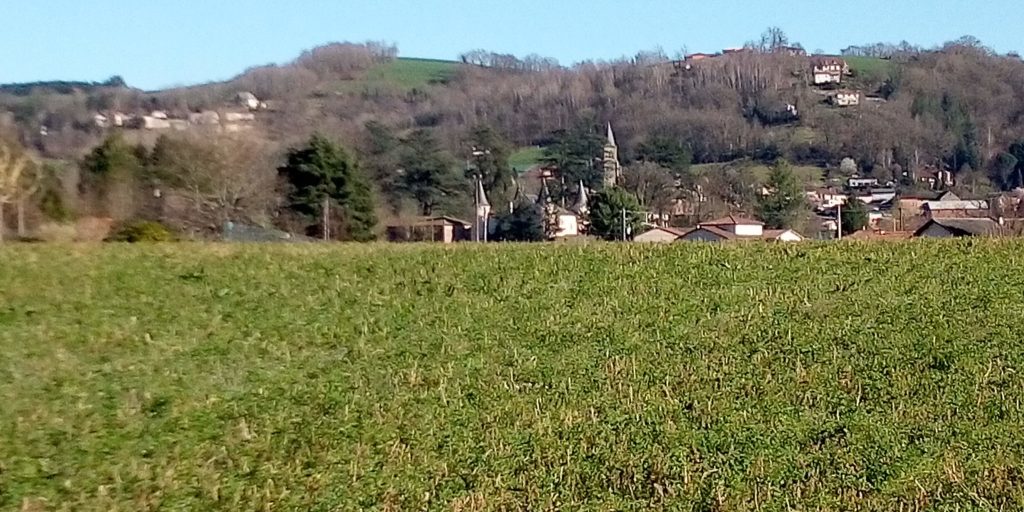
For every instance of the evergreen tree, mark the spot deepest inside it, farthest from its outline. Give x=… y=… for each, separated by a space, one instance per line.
x=606 y=214
x=114 y=171
x=781 y=206
x=488 y=156
x=321 y=173
x=855 y=216
x=525 y=223
x=576 y=154
x=427 y=173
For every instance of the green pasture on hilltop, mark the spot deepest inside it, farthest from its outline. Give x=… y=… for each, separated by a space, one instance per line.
x=837 y=376
x=402 y=75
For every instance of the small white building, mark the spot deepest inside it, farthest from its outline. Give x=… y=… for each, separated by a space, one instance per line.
x=248 y=100
x=845 y=99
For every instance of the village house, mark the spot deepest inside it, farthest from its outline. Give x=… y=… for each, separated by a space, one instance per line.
x=844 y=98
x=792 y=51
x=248 y=100
x=857 y=182
x=660 y=235
x=935 y=178
x=955 y=209
x=958 y=228
x=561 y=222
x=694 y=57
x=443 y=229
x=828 y=70
x=737 y=228
x=826 y=198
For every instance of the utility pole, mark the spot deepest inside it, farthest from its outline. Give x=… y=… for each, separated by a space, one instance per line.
x=326 y=220
x=839 y=221
x=476 y=209
x=623 y=224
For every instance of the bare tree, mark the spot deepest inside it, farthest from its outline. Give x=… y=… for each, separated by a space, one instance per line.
x=17 y=181
x=214 y=180
x=652 y=185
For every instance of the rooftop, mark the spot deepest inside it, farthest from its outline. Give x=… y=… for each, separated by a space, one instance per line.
x=731 y=220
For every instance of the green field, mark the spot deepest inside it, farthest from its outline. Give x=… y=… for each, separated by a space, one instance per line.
x=403 y=75
x=546 y=377
x=524 y=158
x=871 y=69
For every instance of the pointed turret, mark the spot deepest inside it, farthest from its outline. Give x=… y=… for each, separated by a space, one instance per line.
x=610 y=166
x=481 y=196
x=544 y=196
x=582 y=204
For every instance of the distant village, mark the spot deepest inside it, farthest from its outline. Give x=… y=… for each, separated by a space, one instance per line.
x=891 y=216
x=239 y=117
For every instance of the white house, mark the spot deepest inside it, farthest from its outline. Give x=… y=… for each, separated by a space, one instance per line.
x=845 y=99
x=738 y=228
x=828 y=70
x=248 y=100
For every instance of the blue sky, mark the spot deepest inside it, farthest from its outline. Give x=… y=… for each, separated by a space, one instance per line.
x=160 y=43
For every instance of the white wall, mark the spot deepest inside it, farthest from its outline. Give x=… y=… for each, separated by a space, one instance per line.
x=748 y=230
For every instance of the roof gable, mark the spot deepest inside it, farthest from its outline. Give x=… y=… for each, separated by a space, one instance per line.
x=731 y=220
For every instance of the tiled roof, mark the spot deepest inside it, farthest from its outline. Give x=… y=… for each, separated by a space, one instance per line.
x=732 y=220
x=962 y=227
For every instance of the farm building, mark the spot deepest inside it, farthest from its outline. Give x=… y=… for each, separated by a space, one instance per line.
x=737 y=228
x=660 y=235
x=957 y=228
x=442 y=229
x=845 y=99
x=954 y=209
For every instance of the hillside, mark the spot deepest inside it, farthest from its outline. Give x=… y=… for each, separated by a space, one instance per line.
x=819 y=377
x=401 y=75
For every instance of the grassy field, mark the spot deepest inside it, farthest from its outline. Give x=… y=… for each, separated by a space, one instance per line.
x=871 y=69
x=599 y=377
x=403 y=75
x=524 y=158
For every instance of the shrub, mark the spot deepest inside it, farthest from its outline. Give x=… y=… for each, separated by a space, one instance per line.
x=145 y=231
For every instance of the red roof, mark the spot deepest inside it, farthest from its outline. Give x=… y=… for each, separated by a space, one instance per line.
x=731 y=220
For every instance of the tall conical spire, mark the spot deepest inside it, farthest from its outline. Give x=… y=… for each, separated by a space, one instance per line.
x=610 y=160
x=544 y=197
x=581 y=206
x=481 y=196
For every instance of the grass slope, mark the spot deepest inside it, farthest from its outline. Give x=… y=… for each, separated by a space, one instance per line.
x=403 y=75
x=525 y=158
x=604 y=377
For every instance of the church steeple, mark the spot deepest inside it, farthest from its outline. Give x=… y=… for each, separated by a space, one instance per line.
x=610 y=166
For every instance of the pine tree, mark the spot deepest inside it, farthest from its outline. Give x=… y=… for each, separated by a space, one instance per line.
x=855 y=216
x=428 y=173
x=784 y=200
x=322 y=174
x=606 y=214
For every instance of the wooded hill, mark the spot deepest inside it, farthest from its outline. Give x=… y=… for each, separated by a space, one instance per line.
x=955 y=107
